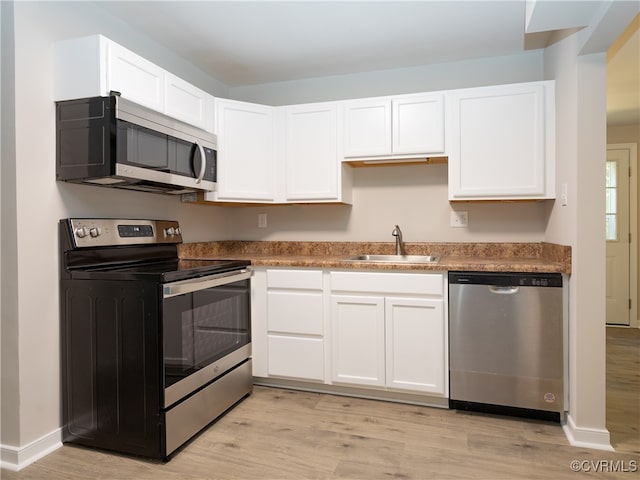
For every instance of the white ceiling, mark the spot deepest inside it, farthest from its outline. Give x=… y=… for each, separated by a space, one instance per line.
x=253 y=42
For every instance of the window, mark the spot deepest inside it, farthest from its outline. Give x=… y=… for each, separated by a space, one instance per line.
x=611 y=209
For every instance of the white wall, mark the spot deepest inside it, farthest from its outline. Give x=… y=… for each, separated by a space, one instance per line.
x=414 y=197
x=9 y=392
x=444 y=76
x=30 y=320
x=581 y=114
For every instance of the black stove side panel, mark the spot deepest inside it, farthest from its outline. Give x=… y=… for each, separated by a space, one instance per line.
x=111 y=366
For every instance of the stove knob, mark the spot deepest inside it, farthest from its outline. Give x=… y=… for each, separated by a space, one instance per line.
x=178 y=232
x=81 y=232
x=94 y=232
x=169 y=231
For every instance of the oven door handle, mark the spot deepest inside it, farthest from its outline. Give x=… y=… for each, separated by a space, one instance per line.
x=189 y=286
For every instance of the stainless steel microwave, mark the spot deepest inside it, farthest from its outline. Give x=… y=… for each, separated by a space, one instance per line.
x=112 y=142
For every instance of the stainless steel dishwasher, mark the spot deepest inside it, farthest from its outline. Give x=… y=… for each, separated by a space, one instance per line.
x=506 y=343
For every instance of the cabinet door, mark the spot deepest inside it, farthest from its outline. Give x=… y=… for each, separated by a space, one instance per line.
x=357 y=340
x=246 y=160
x=415 y=344
x=418 y=125
x=135 y=78
x=499 y=143
x=185 y=102
x=367 y=128
x=312 y=152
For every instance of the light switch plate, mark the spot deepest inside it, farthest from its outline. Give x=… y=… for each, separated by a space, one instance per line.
x=262 y=220
x=459 y=219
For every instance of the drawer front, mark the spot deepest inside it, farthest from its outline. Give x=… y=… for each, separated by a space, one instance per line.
x=388 y=283
x=296 y=357
x=295 y=312
x=295 y=279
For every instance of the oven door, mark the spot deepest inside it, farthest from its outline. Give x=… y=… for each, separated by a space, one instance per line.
x=206 y=324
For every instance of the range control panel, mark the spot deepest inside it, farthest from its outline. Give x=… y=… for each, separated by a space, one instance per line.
x=101 y=232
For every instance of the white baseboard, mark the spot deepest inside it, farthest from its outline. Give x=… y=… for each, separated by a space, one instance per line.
x=597 y=439
x=17 y=458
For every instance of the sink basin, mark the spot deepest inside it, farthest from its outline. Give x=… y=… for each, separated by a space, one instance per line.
x=395 y=258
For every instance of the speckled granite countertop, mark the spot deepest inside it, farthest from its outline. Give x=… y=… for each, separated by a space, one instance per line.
x=483 y=257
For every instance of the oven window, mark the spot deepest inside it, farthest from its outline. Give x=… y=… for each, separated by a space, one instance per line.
x=204 y=326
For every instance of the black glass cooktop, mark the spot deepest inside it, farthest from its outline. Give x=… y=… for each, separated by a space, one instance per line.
x=162 y=271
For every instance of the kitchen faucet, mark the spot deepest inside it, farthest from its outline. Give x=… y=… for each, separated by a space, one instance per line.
x=399 y=243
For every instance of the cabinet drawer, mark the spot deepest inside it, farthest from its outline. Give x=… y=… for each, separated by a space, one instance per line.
x=295 y=312
x=296 y=279
x=296 y=357
x=400 y=283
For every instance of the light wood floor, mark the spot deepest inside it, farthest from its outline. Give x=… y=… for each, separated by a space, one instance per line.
x=623 y=388
x=282 y=434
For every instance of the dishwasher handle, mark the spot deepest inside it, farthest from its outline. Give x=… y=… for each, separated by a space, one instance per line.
x=500 y=290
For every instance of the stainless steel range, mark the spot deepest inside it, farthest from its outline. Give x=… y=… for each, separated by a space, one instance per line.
x=154 y=348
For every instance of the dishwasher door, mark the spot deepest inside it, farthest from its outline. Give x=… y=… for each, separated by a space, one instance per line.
x=506 y=343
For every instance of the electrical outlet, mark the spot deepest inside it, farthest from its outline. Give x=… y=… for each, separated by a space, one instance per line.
x=459 y=219
x=262 y=220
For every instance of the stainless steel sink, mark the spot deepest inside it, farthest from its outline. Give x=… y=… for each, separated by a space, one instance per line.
x=395 y=258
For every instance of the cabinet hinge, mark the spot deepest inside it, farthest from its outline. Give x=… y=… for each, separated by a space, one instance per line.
x=629 y=304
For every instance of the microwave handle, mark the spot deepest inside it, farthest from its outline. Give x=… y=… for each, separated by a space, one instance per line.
x=203 y=163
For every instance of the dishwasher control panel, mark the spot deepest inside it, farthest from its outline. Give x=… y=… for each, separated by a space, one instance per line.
x=507 y=279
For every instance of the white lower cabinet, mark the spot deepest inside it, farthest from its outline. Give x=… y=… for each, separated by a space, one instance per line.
x=295 y=324
x=390 y=342
x=357 y=339
x=379 y=331
x=382 y=339
x=415 y=344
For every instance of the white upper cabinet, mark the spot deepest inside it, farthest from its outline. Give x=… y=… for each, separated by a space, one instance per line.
x=367 y=128
x=418 y=125
x=398 y=127
x=134 y=77
x=502 y=142
x=246 y=152
x=188 y=103
x=312 y=154
x=94 y=66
